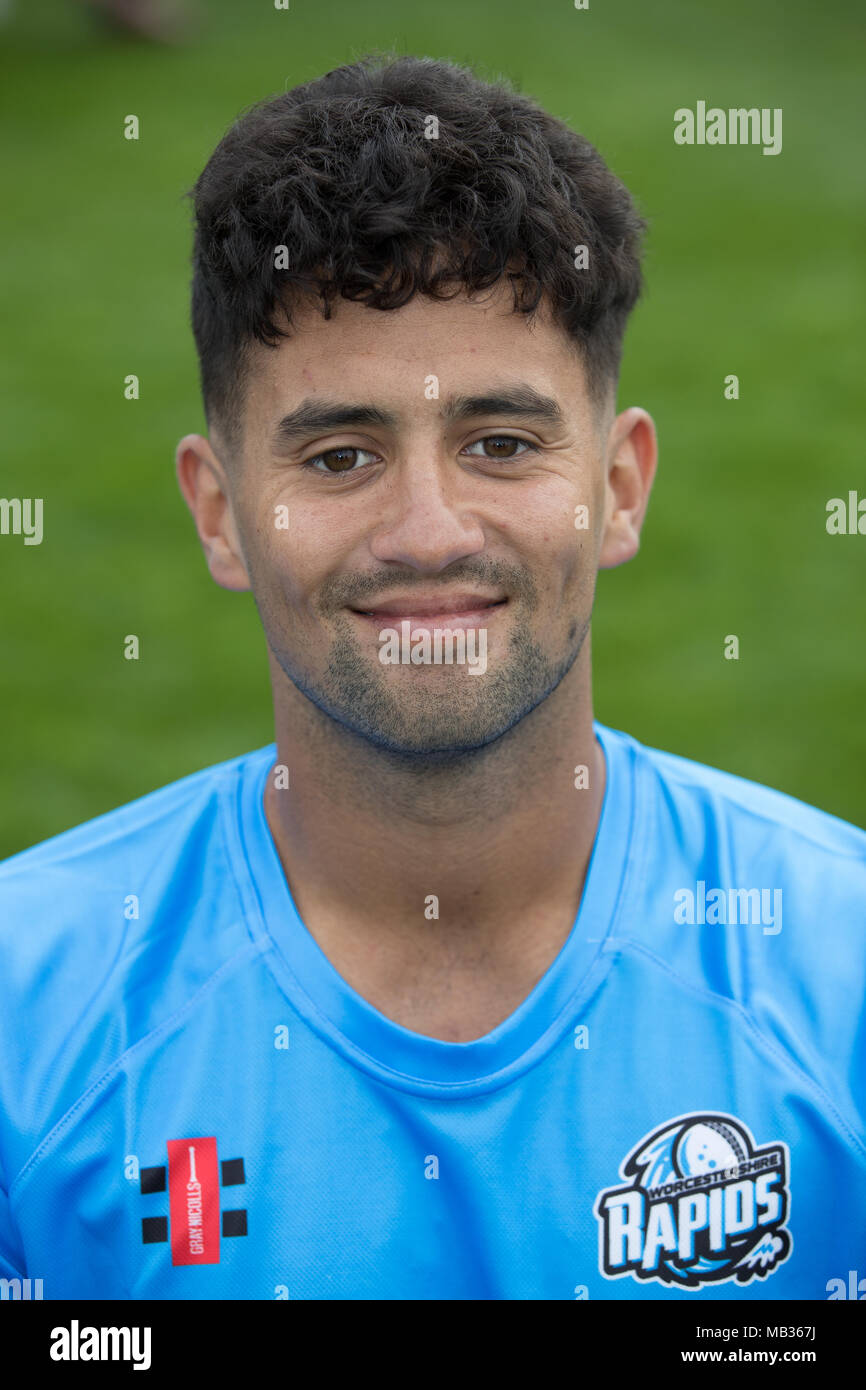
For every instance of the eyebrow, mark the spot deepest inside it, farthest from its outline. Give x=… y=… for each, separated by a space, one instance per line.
x=321 y=417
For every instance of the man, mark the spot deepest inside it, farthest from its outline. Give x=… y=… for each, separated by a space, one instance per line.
x=452 y=992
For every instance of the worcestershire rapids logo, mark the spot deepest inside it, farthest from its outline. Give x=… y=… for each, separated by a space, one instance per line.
x=701 y=1205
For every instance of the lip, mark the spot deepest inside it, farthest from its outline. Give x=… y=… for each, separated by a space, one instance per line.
x=459 y=612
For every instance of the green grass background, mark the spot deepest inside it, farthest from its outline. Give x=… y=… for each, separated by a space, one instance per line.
x=752 y=268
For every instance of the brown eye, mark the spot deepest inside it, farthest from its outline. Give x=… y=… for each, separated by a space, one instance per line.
x=338 y=460
x=341 y=459
x=501 y=446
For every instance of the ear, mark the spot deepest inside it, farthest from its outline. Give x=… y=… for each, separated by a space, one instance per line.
x=203 y=483
x=631 y=453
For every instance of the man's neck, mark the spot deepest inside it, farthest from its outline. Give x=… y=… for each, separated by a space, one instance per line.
x=440 y=895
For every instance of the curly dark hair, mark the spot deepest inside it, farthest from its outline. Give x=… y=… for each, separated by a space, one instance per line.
x=341 y=172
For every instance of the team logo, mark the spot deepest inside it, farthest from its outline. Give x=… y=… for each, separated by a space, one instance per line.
x=701 y=1204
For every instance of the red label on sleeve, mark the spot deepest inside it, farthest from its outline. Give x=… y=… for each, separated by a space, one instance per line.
x=194 y=1201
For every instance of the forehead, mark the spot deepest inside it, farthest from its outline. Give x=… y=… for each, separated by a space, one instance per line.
x=426 y=350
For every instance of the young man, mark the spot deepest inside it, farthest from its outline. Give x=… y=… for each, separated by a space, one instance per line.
x=452 y=992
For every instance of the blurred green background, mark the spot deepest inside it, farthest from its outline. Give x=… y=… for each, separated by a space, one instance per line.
x=752 y=268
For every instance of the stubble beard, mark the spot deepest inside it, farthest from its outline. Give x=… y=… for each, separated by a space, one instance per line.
x=418 y=722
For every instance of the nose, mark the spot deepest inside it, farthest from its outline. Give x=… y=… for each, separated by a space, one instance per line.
x=427 y=519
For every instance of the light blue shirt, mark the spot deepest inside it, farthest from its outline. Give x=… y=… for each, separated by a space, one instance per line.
x=195 y=1104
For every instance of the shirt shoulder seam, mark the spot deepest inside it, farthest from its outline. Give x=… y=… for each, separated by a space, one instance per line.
x=240 y=957
x=767 y=1043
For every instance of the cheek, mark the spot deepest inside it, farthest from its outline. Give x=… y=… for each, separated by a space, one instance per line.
x=298 y=554
x=270 y=549
x=567 y=548
x=579 y=569
x=294 y=571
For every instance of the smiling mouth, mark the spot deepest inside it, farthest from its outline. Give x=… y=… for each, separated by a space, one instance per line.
x=473 y=614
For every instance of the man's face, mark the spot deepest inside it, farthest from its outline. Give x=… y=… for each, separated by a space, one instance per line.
x=441 y=491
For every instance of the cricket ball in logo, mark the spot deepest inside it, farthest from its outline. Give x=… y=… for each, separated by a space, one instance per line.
x=701 y=1204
